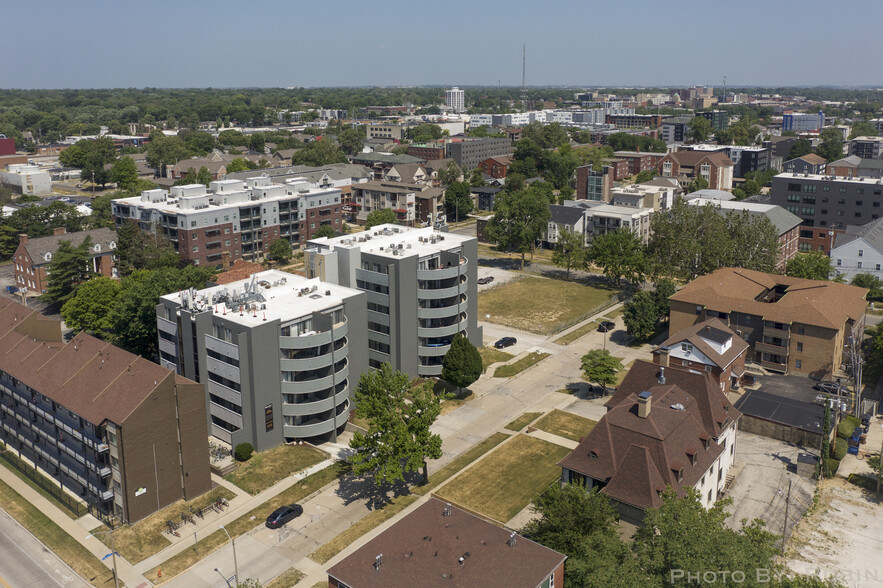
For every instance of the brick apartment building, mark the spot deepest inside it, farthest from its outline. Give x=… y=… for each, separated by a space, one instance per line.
x=686 y=166
x=639 y=161
x=495 y=167
x=634 y=121
x=33 y=256
x=792 y=325
x=126 y=435
x=593 y=185
x=469 y=152
x=427 y=151
x=232 y=216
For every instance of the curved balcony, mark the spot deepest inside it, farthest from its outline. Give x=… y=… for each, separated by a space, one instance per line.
x=445 y=331
x=429 y=370
x=439 y=293
x=443 y=272
x=308 y=363
x=317 y=407
x=433 y=351
x=317 y=426
x=316 y=385
x=314 y=340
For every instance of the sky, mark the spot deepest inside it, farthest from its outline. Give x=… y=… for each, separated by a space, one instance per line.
x=275 y=43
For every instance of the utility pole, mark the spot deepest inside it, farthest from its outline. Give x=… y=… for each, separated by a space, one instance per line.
x=880 y=471
x=785 y=523
x=854 y=352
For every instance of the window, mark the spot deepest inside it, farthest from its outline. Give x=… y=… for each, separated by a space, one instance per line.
x=800 y=329
x=687 y=347
x=799 y=346
x=861 y=252
x=797 y=364
x=839 y=261
x=859 y=202
x=859 y=265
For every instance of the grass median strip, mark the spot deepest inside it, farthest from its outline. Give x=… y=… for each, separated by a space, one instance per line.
x=268 y=467
x=566 y=424
x=286 y=579
x=576 y=333
x=183 y=560
x=505 y=482
x=80 y=559
x=489 y=356
x=513 y=369
x=523 y=421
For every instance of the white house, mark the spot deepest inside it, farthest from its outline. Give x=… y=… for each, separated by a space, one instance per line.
x=859 y=250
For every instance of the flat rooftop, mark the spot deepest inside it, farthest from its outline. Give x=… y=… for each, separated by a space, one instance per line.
x=820 y=177
x=384 y=239
x=265 y=296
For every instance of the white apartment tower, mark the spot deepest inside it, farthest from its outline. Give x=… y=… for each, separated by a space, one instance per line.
x=455 y=99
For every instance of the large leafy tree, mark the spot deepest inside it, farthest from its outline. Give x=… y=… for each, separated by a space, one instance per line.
x=814 y=265
x=871 y=282
x=519 y=220
x=461 y=365
x=452 y=173
x=352 y=140
x=862 y=129
x=381 y=216
x=458 y=202
x=570 y=251
x=68 y=269
x=620 y=254
x=831 y=144
x=641 y=315
x=700 y=128
x=124 y=173
x=600 y=367
x=317 y=153
x=90 y=307
x=279 y=250
x=163 y=151
x=398 y=439
x=800 y=148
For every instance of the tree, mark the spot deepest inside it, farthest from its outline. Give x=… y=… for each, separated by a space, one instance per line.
x=124 y=173
x=814 y=265
x=317 y=153
x=257 y=143
x=458 y=201
x=570 y=251
x=665 y=289
x=620 y=254
x=451 y=173
x=698 y=183
x=101 y=211
x=476 y=178
x=461 y=365
x=641 y=315
x=600 y=367
x=280 y=250
x=90 y=306
x=700 y=128
x=324 y=231
x=800 y=148
x=425 y=132
x=644 y=176
x=831 y=144
x=862 y=129
x=519 y=220
x=399 y=417
x=352 y=140
x=163 y=151
x=68 y=269
x=240 y=164
x=872 y=283
x=382 y=216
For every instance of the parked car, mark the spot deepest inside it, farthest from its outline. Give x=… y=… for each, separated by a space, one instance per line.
x=486 y=280
x=505 y=342
x=827 y=387
x=606 y=326
x=283 y=514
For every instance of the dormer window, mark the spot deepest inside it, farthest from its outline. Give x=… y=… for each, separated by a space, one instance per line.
x=48 y=257
x=693 y=458
x=681 y=475
x=112 y=245
x=97 y=248
x=707 y=443
x=593 y=455
x=687 y=347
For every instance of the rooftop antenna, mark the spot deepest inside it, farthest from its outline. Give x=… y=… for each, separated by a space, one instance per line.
x=523 y=76
x=511 y=541
x=725 y=91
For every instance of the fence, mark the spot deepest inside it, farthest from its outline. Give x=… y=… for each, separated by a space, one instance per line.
x=49 y=486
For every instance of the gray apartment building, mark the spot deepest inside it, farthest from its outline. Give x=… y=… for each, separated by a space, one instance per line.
x=469 y=152
x=278 y=355
x=420 y=285
x=745 y=158
x=676 y=129
x=828 y=202
x=124 y=434
x=866 y=147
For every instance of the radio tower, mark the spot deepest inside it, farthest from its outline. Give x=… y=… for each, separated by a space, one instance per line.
x=725 y=91
x=523 y=76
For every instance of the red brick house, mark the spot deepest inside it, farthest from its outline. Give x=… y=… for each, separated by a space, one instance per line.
x=639 y=161
x=709 y=346
x=438 y=544
x=496 y=167
x=33 y=256
x=686 y=166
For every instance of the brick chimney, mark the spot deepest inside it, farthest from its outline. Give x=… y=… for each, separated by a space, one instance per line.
x=644 y=399
x=59 y=231
x=22 y=238
x=661 y=357
x=225 y=261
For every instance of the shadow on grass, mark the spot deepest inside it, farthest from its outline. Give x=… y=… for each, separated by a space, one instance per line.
x=353 y=488
x=584 y=390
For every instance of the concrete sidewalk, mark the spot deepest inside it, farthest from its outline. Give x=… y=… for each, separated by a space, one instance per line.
x=127 y=573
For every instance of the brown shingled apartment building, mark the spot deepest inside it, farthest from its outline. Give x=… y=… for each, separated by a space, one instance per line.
x=124 y=434
x=438 y=544
x=33 y=256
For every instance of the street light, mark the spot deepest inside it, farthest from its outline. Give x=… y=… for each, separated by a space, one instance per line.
x=113 y=553
x=235 y=565
x=225 y=578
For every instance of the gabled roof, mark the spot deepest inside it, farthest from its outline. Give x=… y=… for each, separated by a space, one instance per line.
x=38 y=248
x=811 y=302
x=92 y=378
x=693 y=158
x=848 y=161
x=565 y=215
x=811 y=158
x=871 y=233
x=703 y=336
x=426 y=548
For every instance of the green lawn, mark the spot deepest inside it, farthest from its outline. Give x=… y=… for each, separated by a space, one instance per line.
x=507 y=480
x=286 y=579
x=577 y=333
x=512 y=369
x=542 y=305
x=523 y=421
x=565 y=424
x=268 y=467
x=459 y=463
x=490 y=355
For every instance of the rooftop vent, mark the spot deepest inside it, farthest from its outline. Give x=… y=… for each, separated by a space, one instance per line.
x=678 y=406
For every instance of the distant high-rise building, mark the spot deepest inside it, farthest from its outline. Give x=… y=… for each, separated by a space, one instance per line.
x=455 y=99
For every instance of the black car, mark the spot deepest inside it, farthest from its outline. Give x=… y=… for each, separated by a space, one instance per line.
x=827 y=387
x=606 y=326
x=486 y=280
x=505 y=342
x=283 y=514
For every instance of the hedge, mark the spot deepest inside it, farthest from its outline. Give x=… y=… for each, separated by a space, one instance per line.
x=847 y=425
x=833 y=464
x=243 y=451
x=840 y=448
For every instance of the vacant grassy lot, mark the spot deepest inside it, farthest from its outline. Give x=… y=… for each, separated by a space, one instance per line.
x=489 y=355
x=460 y=462
x=565 y=424
x=139 y=541
x=286 y=579
x=268 y=467
x=180 y=562
x=506 y=481
x=43 y=528
x=541 y=305
x=511 y=369
x=523 y=421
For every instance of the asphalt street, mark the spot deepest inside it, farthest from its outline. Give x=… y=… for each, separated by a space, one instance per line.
x=26 y=563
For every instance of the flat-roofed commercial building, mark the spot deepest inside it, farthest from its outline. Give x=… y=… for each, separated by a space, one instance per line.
x=277 y=353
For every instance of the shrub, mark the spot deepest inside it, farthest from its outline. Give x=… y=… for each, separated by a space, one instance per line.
x=840 y=448
x=833 y=464
x=847 y=425
x=243 y=452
